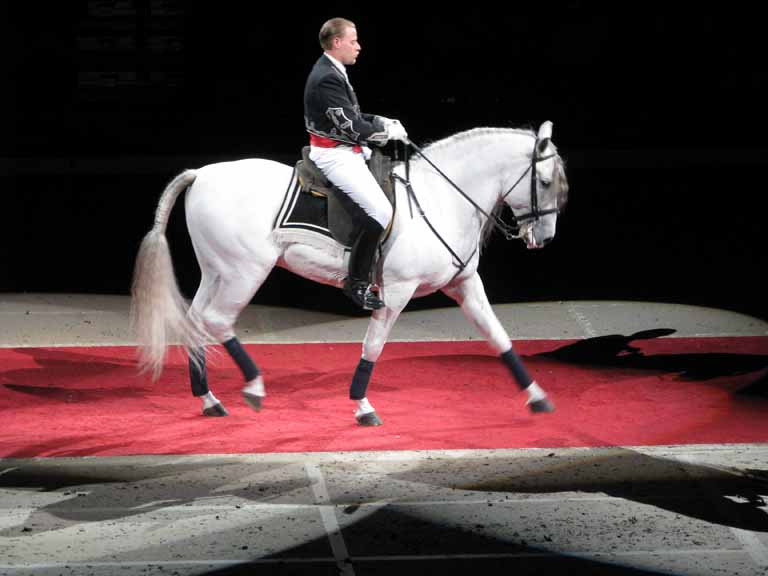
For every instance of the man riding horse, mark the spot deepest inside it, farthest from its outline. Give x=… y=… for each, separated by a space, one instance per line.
x=338 y=134
x=233 y=232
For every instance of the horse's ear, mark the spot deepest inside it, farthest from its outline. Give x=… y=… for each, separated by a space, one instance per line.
x=544 y=136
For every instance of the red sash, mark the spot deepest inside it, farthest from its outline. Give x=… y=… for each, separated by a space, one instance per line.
x=323 y=142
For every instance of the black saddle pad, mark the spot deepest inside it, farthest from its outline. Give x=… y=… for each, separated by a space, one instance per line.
x=312 y=203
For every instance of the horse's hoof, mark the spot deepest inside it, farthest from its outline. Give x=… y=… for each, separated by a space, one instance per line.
x=215 y=410
x=253 y=400
x=540 y=406
x=369 y=419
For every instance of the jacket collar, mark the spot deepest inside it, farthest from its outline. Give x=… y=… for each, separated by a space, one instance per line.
x=338 y=65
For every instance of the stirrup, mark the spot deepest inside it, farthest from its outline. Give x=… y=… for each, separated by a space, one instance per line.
x=362 y=294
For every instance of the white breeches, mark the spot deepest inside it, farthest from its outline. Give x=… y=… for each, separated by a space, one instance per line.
x=348 y=171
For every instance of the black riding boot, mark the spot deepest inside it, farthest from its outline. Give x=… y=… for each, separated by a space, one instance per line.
x=358 y=283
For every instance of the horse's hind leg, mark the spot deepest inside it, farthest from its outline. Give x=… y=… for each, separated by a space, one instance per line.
x=198 y=376
x=198 y=371
x=470 y=295
x=231 y=294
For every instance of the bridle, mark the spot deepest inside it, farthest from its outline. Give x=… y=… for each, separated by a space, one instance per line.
x=510 y=231
x=535 y=213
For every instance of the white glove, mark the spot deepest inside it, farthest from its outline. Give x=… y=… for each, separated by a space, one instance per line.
x=396 y=131
x=367 y=152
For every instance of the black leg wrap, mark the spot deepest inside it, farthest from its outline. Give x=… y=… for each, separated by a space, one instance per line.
x=242 y=359
x=360 y=380
x=198 y=373
x=515 y=365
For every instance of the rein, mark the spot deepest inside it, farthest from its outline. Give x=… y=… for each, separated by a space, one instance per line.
x=460 y=264
x=510 y=232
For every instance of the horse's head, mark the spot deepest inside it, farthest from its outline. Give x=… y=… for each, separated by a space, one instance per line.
x=537 y=202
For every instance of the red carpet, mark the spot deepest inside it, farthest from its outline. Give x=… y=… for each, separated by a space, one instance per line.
x=438 y=395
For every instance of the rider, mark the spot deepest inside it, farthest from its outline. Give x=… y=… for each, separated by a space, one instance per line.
x=338 y=134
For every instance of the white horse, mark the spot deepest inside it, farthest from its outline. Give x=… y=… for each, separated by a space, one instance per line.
x=456 y=189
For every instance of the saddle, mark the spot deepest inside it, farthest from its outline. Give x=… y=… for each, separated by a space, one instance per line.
x=342 y=216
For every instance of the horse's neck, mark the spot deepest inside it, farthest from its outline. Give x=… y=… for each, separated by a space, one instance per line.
x=480 y=162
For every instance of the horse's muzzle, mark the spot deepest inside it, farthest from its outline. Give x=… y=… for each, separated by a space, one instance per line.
x=539 y=233
x=540 y=244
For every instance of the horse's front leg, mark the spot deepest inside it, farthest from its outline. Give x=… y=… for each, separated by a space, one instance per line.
x=379 y=327
x=470 y=295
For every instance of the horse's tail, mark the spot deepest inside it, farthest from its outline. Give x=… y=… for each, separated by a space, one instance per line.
x=158 y=310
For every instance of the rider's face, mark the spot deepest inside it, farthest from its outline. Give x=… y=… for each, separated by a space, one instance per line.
x=346 y=46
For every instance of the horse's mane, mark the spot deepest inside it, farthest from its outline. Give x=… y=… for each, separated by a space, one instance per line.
x=488 y=227
x=472 y=133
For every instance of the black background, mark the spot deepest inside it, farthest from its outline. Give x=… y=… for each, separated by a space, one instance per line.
x=657 y=108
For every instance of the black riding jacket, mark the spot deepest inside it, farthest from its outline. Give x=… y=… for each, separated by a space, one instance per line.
x=331 y=108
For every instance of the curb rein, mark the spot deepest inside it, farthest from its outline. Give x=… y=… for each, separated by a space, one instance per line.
x=510 y=232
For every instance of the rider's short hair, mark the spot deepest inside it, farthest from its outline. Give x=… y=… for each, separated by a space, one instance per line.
x=333 y=28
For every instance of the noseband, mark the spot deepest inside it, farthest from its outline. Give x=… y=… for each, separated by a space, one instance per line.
x=535 y=213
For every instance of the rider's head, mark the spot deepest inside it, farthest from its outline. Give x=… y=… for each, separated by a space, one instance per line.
x=338 y=37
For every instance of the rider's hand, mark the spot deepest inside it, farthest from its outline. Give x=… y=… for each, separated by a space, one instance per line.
x=396 y=131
